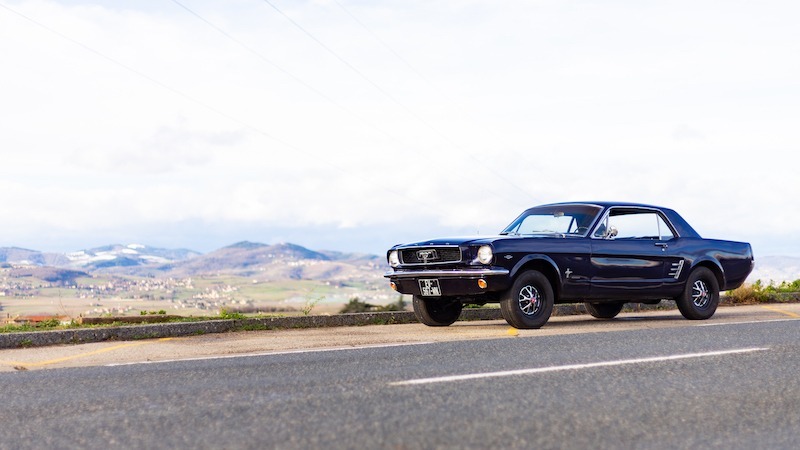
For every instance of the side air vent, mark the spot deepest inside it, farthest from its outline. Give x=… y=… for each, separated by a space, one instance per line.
x=675 y=271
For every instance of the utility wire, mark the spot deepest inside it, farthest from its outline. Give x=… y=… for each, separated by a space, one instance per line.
x=285 y=72
x=481 y=161
x=297 y=79
x=427 y=81
x=360 y=73
x=205 y=105
x=390 y=49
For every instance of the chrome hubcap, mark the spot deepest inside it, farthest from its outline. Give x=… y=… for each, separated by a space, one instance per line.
x=700 y=295
x=530 y=300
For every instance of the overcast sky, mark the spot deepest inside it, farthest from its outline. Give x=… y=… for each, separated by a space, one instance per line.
x=355 y=125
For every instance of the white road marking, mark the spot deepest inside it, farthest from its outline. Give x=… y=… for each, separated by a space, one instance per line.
x=275 y=353
x=508 y=373
x=719 y=324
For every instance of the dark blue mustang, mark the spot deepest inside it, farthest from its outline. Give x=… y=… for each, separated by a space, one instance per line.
x=603 y=254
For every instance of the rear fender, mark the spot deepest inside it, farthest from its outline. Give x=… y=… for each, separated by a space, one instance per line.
x=711 y=264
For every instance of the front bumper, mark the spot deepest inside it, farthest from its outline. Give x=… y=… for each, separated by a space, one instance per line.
x=452 y=273
x=453 y=282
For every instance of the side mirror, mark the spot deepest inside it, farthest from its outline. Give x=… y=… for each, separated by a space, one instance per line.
x=612 y=232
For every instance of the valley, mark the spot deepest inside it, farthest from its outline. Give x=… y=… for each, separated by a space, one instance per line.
x=242 y=278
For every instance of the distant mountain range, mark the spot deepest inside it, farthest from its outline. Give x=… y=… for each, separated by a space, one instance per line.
x=776 y=268
x=251 y=259
x=283 y=261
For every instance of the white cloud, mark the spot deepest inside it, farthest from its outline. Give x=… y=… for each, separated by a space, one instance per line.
x=686 y=105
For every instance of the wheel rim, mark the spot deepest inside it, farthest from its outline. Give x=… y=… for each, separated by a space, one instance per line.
x=530 y=301
x=700 y=294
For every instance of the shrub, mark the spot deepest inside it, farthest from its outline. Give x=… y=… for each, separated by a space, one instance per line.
x=399 y=305
x=356 y=306
x=224 y=313
x=747 y=294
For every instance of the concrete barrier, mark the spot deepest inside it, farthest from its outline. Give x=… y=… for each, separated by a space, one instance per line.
x=174 y=329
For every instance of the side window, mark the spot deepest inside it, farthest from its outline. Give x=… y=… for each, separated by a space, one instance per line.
x=601 y=228
x=639 y=225
x=664 y=231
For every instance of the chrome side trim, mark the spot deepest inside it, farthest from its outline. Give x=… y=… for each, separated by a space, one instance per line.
x=660 y=213
x=457 y=273
x=676 y=269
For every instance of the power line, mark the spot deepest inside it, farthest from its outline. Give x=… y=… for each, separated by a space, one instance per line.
x=308 y=86
x=205 y=105
x=284 y=71
x=391 y=97
x=388 y=47
x=360 y=73
x=295 y=78
x=423 y=78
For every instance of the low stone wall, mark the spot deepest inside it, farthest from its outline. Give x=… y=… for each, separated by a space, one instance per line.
x=174 y=329
x=159 y=330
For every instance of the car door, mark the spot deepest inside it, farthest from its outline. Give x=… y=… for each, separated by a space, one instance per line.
x=630 y=254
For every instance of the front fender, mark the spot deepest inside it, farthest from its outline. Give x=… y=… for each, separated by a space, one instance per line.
x=542 y=263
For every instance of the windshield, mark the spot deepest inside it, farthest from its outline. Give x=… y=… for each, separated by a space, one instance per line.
x=556 y=219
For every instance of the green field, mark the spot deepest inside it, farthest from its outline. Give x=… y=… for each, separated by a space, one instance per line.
x=196 y=296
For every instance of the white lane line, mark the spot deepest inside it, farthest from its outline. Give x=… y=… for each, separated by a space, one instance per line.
x=509 y=373
x=719 y=324
x=275 y=353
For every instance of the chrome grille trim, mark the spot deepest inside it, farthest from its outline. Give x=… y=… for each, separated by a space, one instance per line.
x=445 y=254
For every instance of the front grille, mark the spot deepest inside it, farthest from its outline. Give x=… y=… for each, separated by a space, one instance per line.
x=430 y=255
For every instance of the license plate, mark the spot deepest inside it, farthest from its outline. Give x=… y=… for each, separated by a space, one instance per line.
x=430 y=288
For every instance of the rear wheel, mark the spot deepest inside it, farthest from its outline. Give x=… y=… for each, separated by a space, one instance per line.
x=529 y=302
x=700 y=297
x=604 y=310
x=436 y=312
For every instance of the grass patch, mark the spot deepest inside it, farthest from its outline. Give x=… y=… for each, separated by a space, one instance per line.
x=759 y=292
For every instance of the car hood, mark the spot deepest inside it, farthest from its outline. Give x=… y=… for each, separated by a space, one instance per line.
x=459 y=240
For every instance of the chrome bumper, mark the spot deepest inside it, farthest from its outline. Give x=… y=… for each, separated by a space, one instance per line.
x=457 y=273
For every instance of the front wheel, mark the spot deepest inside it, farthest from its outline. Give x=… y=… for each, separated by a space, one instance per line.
x=529 y=302
x=700 y=296
x=436 y=312
x=604 y=310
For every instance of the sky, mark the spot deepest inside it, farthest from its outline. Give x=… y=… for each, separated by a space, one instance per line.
x=355 y=125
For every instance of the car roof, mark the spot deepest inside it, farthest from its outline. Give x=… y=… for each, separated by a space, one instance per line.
x=683 y=227
x=607 y=204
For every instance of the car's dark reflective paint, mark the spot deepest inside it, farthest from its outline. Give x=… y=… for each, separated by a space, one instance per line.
x=603 y=254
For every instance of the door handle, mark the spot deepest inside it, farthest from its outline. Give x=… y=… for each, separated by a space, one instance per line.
x=663 y=246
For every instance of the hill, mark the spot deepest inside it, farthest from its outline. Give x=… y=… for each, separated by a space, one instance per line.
x=775 y=268
x=16 y=255
x=279 y=262
x=284 y=261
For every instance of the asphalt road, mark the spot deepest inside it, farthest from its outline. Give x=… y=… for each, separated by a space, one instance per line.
x=714 y=384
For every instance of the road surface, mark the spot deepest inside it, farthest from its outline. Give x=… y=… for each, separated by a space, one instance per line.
x=645 y=380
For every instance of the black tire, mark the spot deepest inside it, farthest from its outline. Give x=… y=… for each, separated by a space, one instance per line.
x=604 y=310
x=436 y=312
x=700 y=297
x=529 y=302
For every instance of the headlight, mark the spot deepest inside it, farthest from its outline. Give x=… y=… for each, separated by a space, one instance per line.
x=394 y=258
x=485 y=254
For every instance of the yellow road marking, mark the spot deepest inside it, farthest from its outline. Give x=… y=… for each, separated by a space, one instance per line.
x=82 y=355
x=788 y=313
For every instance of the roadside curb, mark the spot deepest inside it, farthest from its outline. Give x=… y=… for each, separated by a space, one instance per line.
x=177 y=329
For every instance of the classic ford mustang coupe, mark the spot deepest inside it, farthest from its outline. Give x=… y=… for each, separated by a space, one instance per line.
x=599 y=253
